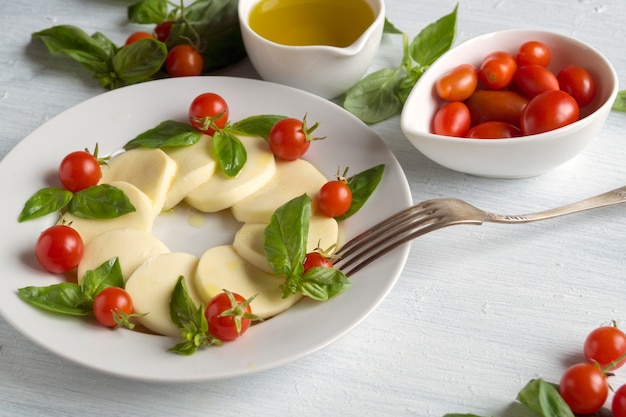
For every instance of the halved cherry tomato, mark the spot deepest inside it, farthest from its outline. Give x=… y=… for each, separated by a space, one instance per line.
x=605 y=345
x=208 y=112
x=79 y=170
x=334 y=198
x=533 y=80
x=584 y=388
x=163 y=29
x=497 y=70
x=112 y=303
x=578 y=83
x=229 y=315
x=134 y=37
x=457 y=84
x=494 y=130
x=315 y=258
x=533 y=52
x=183 y=61
x=548 y=111
x=59 y=249
x=453 y=119
x=496 y=105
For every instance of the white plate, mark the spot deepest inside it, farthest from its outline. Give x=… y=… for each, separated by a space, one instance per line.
x=112 y=119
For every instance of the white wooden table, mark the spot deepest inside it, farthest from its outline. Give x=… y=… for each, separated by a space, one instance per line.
x=477 y=312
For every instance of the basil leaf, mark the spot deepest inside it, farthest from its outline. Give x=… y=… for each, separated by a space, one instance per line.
x=374 y=98
x=108 y=274
x=148 y=11
x=65 y=298
x=408 y=82
x=544 y=399
x=140 y=60
x=214 y=26
x=44 y=201
x=105 y=43
x=167 y=134
x=461 y=415
x=102 y=201
x=230 y=152
x=321 y=283
x=620 y=101
x=362 y=186
x=390 y=28
x=434 y=39
x=260 y=125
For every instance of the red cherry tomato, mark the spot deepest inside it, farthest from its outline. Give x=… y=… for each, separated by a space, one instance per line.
x=578 y=83
x=453 y=119
x=533 y=80
x=497 y=70
x=110 y=303
x=183 y=61
x=228 y=318
x=59 y=249
x=548 y=111
x=334 y=198
x=290 y=138
x=457 y=84
x=584 y=388
x=315 y=258
x=618 y=405
x=79 y=170
x=494 y=130
x=533 y=52
x=496 y=105
x=163 y=29
x=605 y=345
x=134 y=37
x=208 y=112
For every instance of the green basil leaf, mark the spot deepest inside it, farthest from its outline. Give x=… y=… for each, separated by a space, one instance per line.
x=321 y=283
x=434 y=39
x=390 y=28
x=105 y=43
x=544 y=399
x=260 y=125
x=102 y=201
x=362 y=186
x=461 y=415
x=214 y=26
x=230 y=152
x=147 y=12
x=140 y=60
x=408 y=82
x=108 y=274
x=167 y=134
x=182 y=307
x=44 y=201
x=374 y=98
x=63 y=298
x=620 y=101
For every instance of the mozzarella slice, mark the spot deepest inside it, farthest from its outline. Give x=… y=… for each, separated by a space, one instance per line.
x=195 y=165
x=150 y=170
x=222 y=192
x=131 y=246
x=249 y=240
x=221 y=267
x=292 y=179
x=142 y=218
x=151 y=287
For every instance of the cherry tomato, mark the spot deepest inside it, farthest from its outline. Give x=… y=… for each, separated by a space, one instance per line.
x=334 y=198
x=290 y=138
x=79 y=170
x=497 y=70
x=496 y=105
x=229 y=316
x=548 y=111
x=110 y=303
x=315 y=258
x=533 y=80
x=533 y=52
x=618 y=405
x=162 y=30
x=453 y=119
x=457 y=84
x=494 y=130
x=59 y=249
x=578 y=83
x=208 y=112
x=584 y=388
x=183 y=61
x=605 y=345
x=134 y=37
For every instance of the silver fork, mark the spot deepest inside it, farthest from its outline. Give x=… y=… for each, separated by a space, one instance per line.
x=435 y=214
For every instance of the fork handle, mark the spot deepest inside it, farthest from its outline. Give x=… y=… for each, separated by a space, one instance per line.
x=610 y=198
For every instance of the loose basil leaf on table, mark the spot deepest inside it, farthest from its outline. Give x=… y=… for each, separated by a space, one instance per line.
x=139 y=61
x=362 y=186
x=43 y=202
x=103 y=201
x=148 y=12
x=169 y=133
x=620 y=101
x=543 y=398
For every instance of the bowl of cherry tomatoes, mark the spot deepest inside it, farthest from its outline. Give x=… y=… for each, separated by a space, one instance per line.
x=510 y=104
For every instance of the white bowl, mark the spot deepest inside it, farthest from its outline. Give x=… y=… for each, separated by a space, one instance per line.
x=327 y=71
x=521 y=157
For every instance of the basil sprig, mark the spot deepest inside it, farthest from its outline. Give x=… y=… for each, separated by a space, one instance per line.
x=71 y=298
x=382 y=94
x=620 y=101
x=103 y=201
x=285 y=249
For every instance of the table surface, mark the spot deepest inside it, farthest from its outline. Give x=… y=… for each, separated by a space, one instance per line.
x=477 y=311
